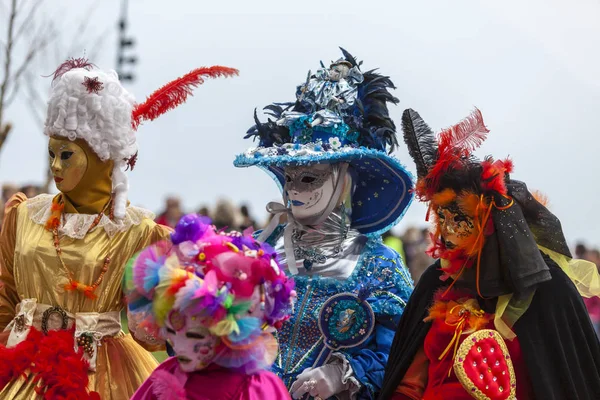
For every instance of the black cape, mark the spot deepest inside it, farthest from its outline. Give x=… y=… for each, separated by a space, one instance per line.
x=559 y=345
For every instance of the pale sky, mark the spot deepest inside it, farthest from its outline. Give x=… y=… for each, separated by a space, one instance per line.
x=531 y=67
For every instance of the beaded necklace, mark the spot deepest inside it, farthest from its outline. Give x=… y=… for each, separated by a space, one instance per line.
x=53 y=224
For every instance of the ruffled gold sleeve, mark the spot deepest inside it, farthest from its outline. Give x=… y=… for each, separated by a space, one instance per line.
x=8 y=292
x=155 y=234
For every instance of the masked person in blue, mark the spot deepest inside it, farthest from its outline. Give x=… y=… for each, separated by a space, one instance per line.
x=329 y=154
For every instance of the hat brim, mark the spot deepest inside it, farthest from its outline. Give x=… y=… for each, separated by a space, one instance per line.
x=383 y=188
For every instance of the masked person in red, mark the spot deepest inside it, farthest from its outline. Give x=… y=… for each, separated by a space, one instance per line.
x=499 y=315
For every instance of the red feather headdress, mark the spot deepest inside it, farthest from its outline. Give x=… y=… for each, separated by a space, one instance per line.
x=456 y=144
x=175 y=93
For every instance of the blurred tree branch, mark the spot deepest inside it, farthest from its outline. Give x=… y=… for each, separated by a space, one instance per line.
x=78 y=41
x=48 y=45
x=19 y=58
x=8 y=46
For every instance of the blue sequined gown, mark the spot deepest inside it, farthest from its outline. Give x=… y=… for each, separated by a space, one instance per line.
x=387 y=286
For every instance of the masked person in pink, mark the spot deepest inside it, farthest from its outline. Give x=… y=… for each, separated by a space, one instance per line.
x=215 y=298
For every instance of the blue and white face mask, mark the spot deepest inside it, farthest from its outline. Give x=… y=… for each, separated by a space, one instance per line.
x=312 y=191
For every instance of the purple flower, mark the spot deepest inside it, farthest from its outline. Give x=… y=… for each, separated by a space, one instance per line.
x=190 y=227
x=281 y=295
x=269 y=251
x=241 y=241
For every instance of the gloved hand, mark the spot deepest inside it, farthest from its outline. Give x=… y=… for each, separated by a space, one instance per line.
x=323 y=382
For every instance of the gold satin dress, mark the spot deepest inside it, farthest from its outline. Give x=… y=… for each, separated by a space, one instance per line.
x=31 y=269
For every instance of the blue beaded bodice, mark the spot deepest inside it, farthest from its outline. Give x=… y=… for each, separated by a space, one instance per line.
x=302 y=344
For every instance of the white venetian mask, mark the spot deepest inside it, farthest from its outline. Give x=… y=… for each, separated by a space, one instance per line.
x=309 y=189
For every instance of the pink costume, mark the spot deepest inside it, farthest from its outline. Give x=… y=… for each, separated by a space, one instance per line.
x=212 y=383
x=216 y=298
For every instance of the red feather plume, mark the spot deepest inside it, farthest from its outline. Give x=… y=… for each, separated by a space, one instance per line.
x=175 y=93
x=456 y=143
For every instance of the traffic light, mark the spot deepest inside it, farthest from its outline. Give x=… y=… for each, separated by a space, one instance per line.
x=125 y=45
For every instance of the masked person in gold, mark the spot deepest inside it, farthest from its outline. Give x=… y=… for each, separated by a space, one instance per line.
x=63 y=256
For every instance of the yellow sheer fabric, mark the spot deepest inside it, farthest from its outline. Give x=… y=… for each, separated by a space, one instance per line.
x=508 y=311
x=122 y=365
x=583 y=274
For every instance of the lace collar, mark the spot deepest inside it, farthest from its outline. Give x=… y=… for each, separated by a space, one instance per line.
x=76 y=225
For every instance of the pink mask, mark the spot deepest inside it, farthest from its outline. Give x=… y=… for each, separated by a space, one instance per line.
x=194 y=345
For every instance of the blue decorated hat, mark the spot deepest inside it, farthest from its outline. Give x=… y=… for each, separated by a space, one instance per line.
x=361 y=134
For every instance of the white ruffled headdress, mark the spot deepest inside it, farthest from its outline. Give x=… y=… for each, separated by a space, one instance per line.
x=90 y=104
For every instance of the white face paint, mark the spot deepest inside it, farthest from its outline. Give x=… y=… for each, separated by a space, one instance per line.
x=193 y=344
x=309 y=189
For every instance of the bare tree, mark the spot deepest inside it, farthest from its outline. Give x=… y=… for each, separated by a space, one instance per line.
x=78 y=42
x=18 y=53
x=49 y=45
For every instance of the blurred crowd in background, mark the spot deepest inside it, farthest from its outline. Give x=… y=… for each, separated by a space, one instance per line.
x=412 y=244
x=9 y=189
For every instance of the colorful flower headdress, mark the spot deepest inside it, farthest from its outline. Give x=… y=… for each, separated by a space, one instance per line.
x=221 y=278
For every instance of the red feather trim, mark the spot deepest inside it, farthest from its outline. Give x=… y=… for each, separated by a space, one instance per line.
x=60 y=372
x=493 y=175
x=457 y=258
x=508 y=165
x=456 y=143
x=175 y=93
x=70 y=64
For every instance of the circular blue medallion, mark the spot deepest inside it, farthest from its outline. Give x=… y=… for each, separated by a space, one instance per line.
x=345 y=321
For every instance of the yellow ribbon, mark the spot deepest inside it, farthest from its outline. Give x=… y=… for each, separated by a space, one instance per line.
x=458 y=331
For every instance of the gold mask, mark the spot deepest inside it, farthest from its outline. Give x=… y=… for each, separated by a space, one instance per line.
x=68 y=163
x=85 y=181
x=456 y=227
